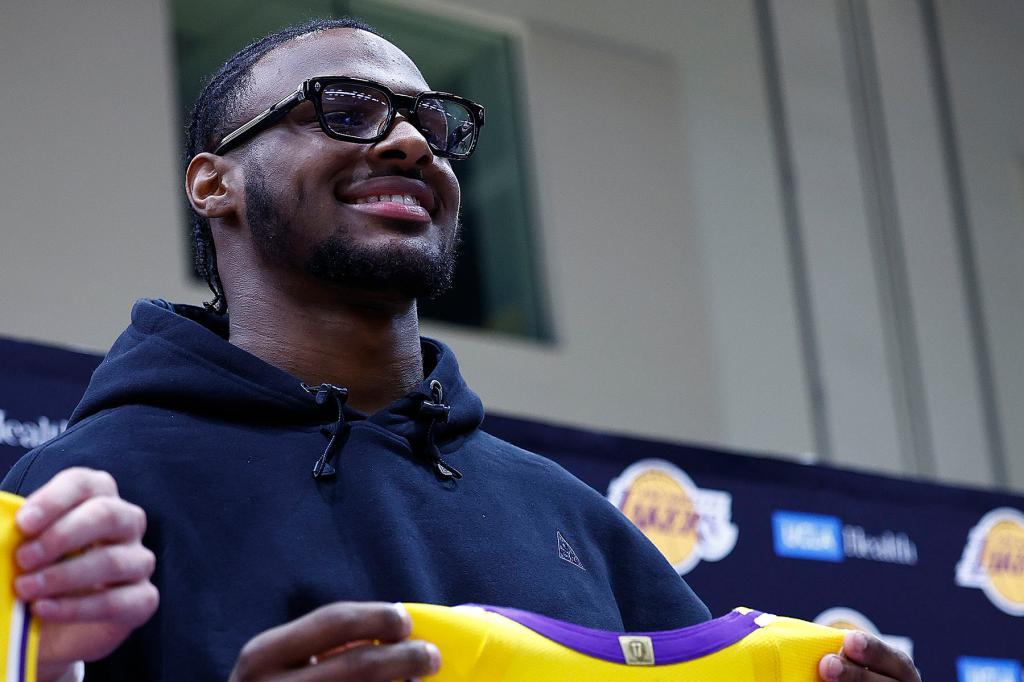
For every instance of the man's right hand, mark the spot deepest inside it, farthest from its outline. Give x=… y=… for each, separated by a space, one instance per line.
x=84 y=568
x=341 y=641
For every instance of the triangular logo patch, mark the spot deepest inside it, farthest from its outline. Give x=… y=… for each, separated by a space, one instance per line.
x=566 y=553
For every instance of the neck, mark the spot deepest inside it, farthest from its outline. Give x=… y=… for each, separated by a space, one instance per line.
x=369 y=345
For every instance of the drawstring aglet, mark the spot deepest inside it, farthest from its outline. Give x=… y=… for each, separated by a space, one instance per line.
x=445 y=470
x=323 y=468
x=435 y=411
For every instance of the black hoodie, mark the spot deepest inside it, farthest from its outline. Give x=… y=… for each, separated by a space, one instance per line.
x=413 y=503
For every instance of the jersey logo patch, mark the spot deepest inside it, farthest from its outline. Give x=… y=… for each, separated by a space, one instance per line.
x=637 y=649
x=566 y=553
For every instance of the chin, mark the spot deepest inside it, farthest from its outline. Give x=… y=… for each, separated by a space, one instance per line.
x=415 y=268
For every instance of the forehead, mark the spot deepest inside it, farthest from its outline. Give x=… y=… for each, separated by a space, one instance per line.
x=336 y=52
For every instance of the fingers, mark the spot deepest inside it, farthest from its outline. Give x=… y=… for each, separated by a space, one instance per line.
x=867 y=659
x=84 y=570
x=837 y=669
x=66 y=490
x=318 y=647
x=128 y=606
x=374 y=664
x=866 y=650
x=105 y=565
x=97 y=519
x=292 y=644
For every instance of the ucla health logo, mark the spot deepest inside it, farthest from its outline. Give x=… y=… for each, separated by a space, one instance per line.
x=808 y=536
x=29 y=434
x=975 y=669
x=993 y=559
x=820 y=537
x=688 y=524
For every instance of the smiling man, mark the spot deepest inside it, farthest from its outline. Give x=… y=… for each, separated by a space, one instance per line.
x=308 y=459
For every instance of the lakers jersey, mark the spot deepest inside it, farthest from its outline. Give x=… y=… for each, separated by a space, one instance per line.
x=501 y=644
x=19 y=634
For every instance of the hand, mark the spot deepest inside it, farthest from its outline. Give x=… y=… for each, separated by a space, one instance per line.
x=338 y=642
x=867 y=659
x=84 y=569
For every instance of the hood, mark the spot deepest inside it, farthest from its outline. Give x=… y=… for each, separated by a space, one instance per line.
x=178 y=357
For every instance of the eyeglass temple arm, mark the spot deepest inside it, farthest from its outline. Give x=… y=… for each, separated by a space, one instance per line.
x=268 y=118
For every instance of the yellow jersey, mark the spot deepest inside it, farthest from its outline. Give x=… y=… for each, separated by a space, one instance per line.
x=502 y=644
x=19 y=633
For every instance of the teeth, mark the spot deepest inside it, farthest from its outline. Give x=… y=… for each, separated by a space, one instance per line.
x=406 y=199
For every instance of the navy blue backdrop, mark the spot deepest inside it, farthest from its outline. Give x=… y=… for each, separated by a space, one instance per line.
x=935 y=570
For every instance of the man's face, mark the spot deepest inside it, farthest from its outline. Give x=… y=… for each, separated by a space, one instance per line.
x=340 y=211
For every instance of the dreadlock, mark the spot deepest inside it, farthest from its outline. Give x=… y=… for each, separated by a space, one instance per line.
x=212 y=118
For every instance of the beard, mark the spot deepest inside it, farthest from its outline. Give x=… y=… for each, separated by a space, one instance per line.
x=339 y=259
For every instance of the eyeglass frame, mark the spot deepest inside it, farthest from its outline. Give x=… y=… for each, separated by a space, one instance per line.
x=312 y=89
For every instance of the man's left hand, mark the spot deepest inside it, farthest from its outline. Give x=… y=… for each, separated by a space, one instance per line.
x=867 y=659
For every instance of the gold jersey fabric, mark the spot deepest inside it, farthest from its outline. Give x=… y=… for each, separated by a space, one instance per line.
x=19 y=633
x=506 y=645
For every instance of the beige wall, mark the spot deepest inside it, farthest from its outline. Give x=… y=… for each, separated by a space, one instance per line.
x=669 y=272
x=985 y=55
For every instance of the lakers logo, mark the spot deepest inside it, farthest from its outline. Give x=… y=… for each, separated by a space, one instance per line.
x=686 y=523
x=993 y=559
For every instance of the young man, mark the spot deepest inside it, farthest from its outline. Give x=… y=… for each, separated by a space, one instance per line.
x=310 y=451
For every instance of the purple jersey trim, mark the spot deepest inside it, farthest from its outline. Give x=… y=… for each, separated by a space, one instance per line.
x=26 y=624
x=670 y=646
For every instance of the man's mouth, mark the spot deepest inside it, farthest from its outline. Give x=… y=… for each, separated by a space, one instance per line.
x=391 y=197
x=407 y=199
x=397 y=206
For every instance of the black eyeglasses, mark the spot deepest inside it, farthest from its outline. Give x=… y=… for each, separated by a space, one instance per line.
x=357 y=110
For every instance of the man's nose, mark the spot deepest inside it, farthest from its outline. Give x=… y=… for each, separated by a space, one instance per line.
x=404 y=145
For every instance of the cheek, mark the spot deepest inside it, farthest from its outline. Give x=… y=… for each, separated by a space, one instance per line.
x=451 y=189
x=308 y=165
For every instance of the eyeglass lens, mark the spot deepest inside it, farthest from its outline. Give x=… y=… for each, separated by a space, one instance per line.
x=362 y=111
x=356 y=110
x=450 y=124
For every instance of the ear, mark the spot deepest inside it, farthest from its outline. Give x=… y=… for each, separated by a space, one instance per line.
x=209 y=185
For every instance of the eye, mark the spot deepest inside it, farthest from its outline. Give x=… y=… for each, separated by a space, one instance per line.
x=345 y=119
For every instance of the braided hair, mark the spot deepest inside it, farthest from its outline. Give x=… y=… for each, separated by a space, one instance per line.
x=212 y=118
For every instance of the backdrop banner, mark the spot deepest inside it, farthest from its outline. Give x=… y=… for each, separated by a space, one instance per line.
x=39 y=387
x=935 y=570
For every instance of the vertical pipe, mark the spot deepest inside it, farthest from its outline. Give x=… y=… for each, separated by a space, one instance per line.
x=965 y=244
x=794 y=229
x=881 y=211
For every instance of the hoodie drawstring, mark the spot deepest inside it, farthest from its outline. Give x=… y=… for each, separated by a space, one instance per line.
x=436 y=412
x=323 y=392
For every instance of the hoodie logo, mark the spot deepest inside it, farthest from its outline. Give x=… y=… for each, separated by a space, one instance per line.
x=566 y=553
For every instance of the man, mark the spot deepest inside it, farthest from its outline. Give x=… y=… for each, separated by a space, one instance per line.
x=310 y=451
